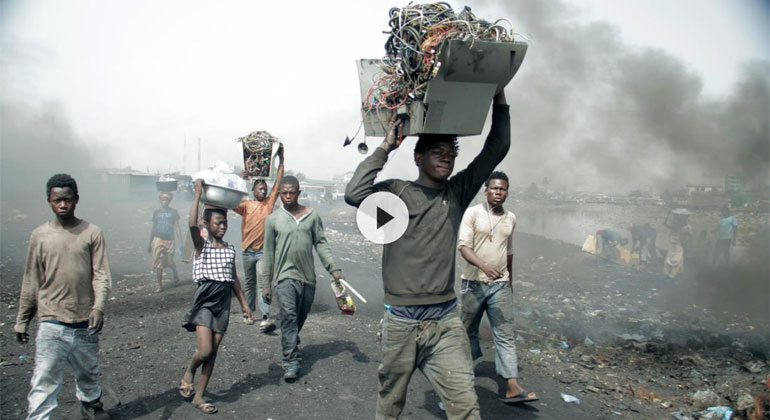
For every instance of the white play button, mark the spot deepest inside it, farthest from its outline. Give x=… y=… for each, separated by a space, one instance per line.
x=382 y=217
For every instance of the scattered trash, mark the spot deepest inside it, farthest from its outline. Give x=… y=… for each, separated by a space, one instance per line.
x=534 y=351
x=441 y=406
x=587 y=361
x=588 y=342
x=703 y=399
x=569 y=398
x=745 y=400
x=755 y=367
x=564 y=345
x=718 y=413
x=633 y=337
x=679 y=415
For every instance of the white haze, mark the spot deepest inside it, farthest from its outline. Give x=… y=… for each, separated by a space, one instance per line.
x=130 y=80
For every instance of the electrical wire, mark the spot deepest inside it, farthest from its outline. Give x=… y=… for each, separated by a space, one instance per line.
x=415 y=38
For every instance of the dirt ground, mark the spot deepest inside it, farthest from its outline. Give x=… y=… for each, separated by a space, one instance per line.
x=628 y=343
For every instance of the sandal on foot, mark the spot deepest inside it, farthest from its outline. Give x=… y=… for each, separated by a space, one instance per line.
x=207 y=408
x=523 y=397
x=186 y=389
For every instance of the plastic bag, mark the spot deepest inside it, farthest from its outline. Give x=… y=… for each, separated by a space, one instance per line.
x=344 y=301
x=221 y=175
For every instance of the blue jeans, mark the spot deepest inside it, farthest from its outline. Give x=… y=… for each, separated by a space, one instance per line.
x=252 y=289
x=55 y=347
x=294 y=301
x=439 y=348
x=497 y=300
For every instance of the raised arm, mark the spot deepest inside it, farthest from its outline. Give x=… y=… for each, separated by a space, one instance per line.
x=362 y=184
x=495 y=148
x=192 y=221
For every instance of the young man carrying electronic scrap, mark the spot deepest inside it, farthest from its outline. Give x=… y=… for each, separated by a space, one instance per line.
x=422 y=326
x=254 y=213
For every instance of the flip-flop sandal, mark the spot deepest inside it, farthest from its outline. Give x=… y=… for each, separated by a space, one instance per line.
x=521 y=398
x=207 y=408
x=186 y=389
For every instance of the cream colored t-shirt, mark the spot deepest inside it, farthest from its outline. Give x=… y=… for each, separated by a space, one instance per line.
x=491 y=238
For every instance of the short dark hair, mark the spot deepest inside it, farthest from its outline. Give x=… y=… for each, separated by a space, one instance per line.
x=61 y=181
x=496 y=175
x=290 y=179
x=211 y=210
x=257 y=182
x=425 y=141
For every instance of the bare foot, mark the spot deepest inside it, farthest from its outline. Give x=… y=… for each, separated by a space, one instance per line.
x=514 y=389
x=188 y=376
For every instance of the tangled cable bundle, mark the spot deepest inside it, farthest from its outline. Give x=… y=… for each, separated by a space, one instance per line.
x=416 y=33
x=257 y=148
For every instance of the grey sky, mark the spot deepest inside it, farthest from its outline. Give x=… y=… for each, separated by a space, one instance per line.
x=132 y=78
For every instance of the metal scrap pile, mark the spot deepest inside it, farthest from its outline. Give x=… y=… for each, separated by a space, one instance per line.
x=416 y=33
x=257 y=148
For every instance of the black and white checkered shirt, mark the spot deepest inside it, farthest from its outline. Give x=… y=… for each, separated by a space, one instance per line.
x=214 y=264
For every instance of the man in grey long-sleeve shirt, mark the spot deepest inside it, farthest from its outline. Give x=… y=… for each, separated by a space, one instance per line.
x=291 y=233
x=66 y=283
x=418 y=269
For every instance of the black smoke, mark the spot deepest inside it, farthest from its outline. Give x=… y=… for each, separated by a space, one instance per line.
x=590 y=111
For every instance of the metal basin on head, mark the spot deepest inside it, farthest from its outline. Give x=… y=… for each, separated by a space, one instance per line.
x=217 y=195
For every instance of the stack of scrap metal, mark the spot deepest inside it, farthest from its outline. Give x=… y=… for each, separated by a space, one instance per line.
x=257 y=152
x=438 y=66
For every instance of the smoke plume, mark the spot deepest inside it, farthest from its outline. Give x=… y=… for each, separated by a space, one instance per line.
x=591 y=112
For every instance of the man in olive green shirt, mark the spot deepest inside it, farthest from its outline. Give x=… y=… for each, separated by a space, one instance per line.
x=291 y=233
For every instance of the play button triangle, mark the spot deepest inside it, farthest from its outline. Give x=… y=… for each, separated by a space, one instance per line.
x=383 y=217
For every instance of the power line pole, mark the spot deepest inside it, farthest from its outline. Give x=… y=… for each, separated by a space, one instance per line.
x=184 y=154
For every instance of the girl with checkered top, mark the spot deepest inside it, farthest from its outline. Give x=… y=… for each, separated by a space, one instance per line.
x=214 y=272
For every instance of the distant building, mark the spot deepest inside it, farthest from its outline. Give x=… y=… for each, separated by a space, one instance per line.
x=691 y=188
x=734 y=183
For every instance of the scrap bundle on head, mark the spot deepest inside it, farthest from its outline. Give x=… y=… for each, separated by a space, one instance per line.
x=440 y=71
x=416 y=32
x=257 y=149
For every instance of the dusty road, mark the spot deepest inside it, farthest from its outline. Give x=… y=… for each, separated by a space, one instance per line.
x=629 y=344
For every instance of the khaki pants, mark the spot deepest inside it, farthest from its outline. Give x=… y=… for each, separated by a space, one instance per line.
x=440 y=349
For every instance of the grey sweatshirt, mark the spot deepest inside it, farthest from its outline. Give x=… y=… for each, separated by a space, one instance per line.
x=419 y=268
